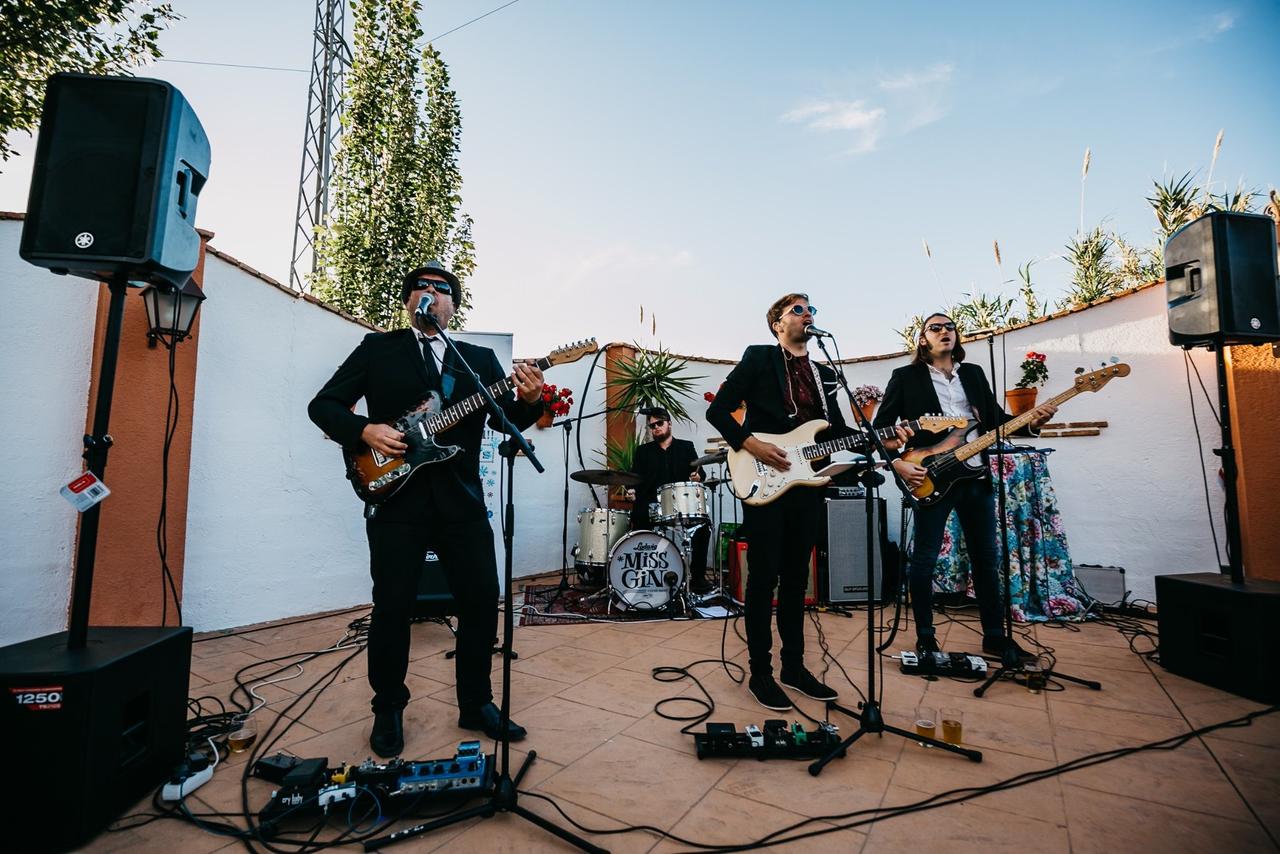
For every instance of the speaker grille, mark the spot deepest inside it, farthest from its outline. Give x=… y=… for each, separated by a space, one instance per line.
x=847 y=550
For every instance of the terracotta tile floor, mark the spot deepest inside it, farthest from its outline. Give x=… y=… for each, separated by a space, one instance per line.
x=585 y=693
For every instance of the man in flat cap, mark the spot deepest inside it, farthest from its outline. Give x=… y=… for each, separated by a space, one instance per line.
x=440 y=507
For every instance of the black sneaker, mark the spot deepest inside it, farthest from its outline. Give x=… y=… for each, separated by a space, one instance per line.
x=926 y=644
x=806 y=683
x=1006 y=649
x=768 y=694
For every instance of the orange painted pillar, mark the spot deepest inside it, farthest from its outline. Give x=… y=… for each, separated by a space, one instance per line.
x=1253 y=390
x=128 y=583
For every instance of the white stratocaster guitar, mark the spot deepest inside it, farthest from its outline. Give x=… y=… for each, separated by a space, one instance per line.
x=756 y=483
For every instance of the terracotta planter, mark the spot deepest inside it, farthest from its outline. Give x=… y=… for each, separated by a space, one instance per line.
x=869 y=409
x=545 y=419
x=1020 y=400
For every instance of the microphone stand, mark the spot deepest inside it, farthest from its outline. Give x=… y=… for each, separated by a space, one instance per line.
x=504 y=797
x=870 y=718
x=1011 y=663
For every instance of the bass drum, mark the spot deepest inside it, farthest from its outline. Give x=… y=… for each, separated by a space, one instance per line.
x=645 y=570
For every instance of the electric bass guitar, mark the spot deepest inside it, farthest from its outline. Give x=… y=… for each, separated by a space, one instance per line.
x=959 y=455
x=756 y=483
x=376 y=476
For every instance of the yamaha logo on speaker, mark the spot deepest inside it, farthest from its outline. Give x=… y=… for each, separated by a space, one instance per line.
x=84 y=240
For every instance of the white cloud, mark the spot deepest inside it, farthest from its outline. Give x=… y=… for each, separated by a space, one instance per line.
x=1223 y=21
x=932 y=76
x=866 y=122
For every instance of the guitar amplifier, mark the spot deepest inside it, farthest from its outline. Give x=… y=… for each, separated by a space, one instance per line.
x=737 y=574
x=846 y=564
x=434 y=600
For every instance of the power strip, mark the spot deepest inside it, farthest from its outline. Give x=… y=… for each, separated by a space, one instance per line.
x=178 y=791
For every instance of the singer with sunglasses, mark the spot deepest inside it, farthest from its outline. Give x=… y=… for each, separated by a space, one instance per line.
x=938 y=380
x=782 y=388
x=440 y=508
x=662 y=460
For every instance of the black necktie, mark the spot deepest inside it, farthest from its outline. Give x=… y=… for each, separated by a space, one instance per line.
x=433 y=373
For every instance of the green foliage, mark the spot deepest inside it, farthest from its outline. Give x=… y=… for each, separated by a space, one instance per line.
x=397 y=186
x=38 y=39
x=980 y=311
x=1030 y=302
x=1094 y=274
x=910 y=333
x=654 y=378
x=1176 y=202
x=618 y=455
x=1137 y=266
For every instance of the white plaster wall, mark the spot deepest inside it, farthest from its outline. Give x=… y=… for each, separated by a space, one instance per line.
x=46 y=341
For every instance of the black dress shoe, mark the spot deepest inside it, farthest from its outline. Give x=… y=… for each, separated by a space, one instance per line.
x=767 y=693
x=806 y=683
x=387 y=738
x=926 y=644
x=487 y=718
x=1007 y=650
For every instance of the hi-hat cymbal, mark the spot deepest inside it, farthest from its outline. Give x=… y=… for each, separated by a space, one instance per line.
x=606 y=477
x=709 y=459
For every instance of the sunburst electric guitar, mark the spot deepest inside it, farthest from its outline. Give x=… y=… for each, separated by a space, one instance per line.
x=959 y=455
x=376 y=476
x=757 y=483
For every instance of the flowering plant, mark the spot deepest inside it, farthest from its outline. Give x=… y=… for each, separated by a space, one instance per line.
x=1034 y=372
x=557 y=401
x=709 y=396
x=867 y=394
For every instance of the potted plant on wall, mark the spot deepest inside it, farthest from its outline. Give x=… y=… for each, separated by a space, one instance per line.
x=556 y=403
x=1022 y=397
x=866 y=398
x=653 y=378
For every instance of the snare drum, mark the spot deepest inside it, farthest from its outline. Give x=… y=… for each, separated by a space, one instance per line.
x=683 y=503
x=598 y=530
x=644 y=569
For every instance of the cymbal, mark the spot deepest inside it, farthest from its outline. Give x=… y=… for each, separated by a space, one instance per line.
x=709 y=459
x=715 y=481
x=606 y=477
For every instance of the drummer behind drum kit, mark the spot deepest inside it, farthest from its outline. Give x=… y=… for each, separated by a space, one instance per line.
x=643 y=570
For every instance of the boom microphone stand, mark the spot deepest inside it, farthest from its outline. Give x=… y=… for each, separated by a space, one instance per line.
x=504 y=795
x=870 y=718
x=1010 y=662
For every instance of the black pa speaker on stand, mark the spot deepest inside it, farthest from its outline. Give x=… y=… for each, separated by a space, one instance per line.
x=96 y=717
x=1222 y=287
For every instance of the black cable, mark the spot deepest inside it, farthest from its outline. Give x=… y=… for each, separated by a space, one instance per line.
x=293 y=622
x=172 y=411
x=1204 y=472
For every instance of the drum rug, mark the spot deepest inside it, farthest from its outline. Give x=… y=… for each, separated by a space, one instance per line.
x=546 y=605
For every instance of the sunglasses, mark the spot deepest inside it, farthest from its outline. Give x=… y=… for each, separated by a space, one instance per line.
x=938 y=327
x=441 y=287
x=657 y=423
x=799 y=310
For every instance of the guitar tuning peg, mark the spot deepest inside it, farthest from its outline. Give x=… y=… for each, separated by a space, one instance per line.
x=1079 y=370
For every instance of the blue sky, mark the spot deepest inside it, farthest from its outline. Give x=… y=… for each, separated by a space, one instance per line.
x=702 y=158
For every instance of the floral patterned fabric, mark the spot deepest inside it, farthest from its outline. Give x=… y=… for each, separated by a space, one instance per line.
x=1042 y=581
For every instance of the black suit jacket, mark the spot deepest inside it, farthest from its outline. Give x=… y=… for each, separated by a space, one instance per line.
x=387 y=369
x=657 y=468
x=760 y=380
x=910 y=394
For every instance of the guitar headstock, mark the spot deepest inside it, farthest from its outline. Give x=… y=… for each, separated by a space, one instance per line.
x=1095 y=380
x=572 y=352
x=938 y=423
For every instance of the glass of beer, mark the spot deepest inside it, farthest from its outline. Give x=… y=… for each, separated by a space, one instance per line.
x=952 y=724
x=244 y=731
x=926 y=722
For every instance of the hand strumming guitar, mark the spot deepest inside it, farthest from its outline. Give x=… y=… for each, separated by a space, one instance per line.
x=384 y=439
x=767 y=453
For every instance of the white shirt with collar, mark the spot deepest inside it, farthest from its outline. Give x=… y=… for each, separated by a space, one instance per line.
x=438 y=347
x=951 y=394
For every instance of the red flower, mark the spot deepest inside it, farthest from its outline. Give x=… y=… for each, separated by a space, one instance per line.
x=709 y=396
x=566 y=392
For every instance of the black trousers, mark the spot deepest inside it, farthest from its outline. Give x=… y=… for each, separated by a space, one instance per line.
x=780 y=539
x=974 y=505
x=396 y=553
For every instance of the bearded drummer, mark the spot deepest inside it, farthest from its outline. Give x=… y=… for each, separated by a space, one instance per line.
x=662 y=460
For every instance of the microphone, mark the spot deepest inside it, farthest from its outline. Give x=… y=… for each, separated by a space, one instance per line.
x=986 y=331
x=423 y=305
x=814 y=332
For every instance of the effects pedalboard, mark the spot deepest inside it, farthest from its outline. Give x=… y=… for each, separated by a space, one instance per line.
x=958 y=664
x=776 y=741
x=308 y=787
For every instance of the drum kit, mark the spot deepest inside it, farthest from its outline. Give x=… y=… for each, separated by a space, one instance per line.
x=645 y=570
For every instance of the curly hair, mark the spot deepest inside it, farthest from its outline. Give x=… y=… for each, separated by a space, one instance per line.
x=774 y=314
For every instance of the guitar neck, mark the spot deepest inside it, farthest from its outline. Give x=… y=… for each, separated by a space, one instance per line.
x=438 y=422
x=856 y=441
x=986 y=440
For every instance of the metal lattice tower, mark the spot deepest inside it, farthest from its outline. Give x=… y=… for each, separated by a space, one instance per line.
x=330 y=59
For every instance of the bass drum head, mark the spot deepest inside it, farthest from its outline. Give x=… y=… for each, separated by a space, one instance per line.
x=644 y=568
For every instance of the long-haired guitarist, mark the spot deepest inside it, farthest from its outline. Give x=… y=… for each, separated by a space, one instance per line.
x=939 y=380
x=782 y=388
x=441 y=507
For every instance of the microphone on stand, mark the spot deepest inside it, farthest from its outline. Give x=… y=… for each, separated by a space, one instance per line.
x=424 y=304
x=814 y=332
x=985 y=332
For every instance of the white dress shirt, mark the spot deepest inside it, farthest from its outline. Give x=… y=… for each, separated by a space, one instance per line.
x=951 y=394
